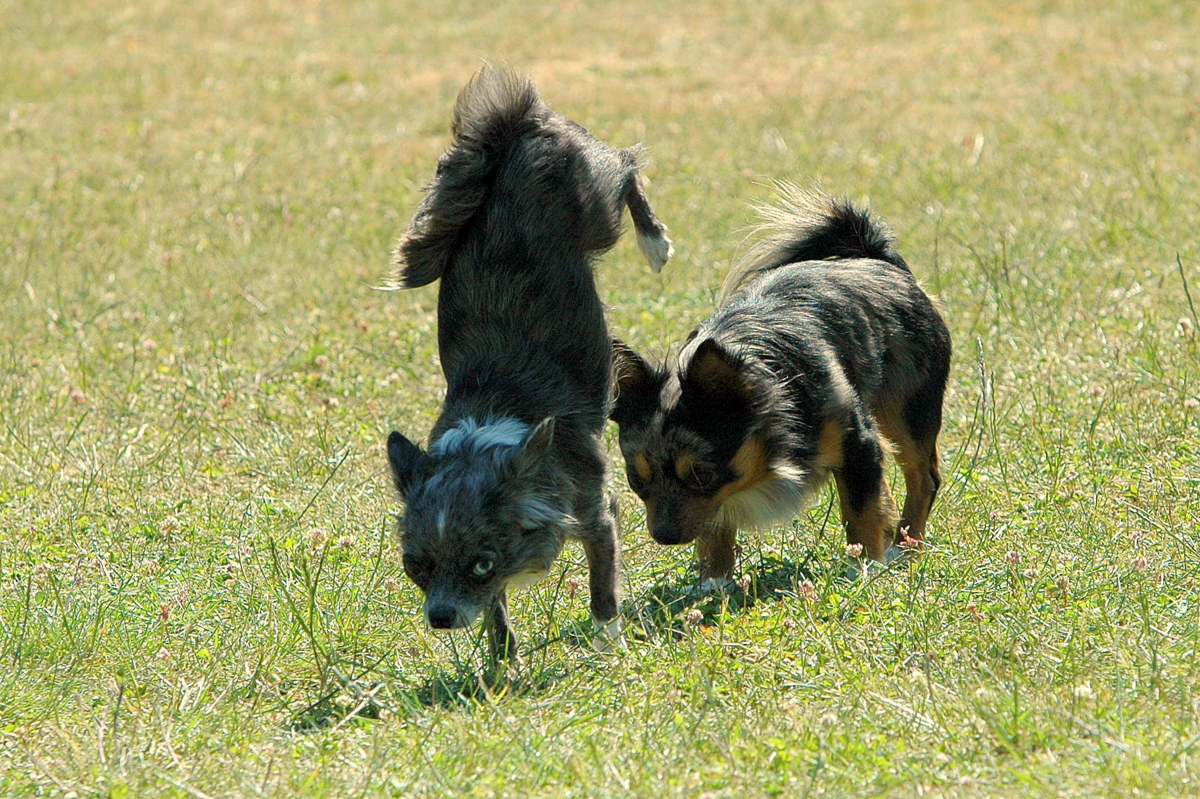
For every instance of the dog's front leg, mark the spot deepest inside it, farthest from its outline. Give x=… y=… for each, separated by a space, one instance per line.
x=603 y=558
x=501 y=641
x=868 y=510
x=716 y=555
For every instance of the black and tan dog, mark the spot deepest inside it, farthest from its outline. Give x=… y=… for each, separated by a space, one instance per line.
x=822 y=348
x=523 y=202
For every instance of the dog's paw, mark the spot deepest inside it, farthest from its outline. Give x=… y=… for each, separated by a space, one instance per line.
x=657 y=248
x=713 y=585
x=608 y=636
x=858 y=566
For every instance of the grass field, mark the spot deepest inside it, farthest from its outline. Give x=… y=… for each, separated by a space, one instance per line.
x=198 y=592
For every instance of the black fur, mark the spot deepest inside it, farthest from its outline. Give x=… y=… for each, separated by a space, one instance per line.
x=792 y=378
x=523 y=202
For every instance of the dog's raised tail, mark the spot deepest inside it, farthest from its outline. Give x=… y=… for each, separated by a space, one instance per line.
x=489 y=115
x=813 y=226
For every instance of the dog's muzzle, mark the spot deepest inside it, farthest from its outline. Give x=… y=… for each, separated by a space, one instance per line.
x=670 y=536
x=445 y=616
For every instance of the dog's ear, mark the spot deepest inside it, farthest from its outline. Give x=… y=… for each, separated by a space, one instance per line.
x=631 y=372
x=538 y=442
x=406 y=459
x=717 y=374
x=488 y=116
x=531 y=453
x=635 y=384
x=537 y=507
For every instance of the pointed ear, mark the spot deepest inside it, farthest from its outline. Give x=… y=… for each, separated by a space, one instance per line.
x=406 y=458
x=716 y=372
x=532 y=451
x=538 y=442
x=635 y=384
x=535 y=507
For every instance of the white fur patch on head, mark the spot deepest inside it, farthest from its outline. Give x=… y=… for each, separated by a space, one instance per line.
x=469 y=435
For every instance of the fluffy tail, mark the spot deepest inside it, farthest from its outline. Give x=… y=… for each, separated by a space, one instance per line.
x=491 y=112
x=811 y=226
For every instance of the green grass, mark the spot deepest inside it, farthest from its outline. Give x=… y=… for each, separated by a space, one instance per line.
x=198 y=591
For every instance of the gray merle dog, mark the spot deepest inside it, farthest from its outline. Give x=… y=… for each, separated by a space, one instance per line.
x=821 y=349
x=522 y=203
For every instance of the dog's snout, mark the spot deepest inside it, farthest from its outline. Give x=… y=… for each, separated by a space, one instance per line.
x=442 y=616
x=662 y=520
x=666 y=534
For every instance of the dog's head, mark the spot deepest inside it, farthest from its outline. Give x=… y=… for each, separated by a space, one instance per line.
x=693 y=437
x=485 y=510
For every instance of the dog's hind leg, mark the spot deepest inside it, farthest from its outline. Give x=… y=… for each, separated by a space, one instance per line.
x=918 y=460
x=651 y=233
x=868 y=510
x=914 y=431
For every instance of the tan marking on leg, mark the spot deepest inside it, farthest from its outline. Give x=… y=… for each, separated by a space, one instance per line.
x=716 y=553
x=873 y=526
x=919 y=463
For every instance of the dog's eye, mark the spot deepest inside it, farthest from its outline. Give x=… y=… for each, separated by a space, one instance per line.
x=703 y=478
x=483 y=567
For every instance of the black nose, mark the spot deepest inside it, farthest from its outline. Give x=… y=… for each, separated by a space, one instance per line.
x=441 y=617
x=666 y=535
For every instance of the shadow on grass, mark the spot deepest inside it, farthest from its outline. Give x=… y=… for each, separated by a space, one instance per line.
x=359 y=690
x=662 y=609
x=466 y=686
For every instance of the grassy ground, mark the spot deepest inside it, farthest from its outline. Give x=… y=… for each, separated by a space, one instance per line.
x=198 y=596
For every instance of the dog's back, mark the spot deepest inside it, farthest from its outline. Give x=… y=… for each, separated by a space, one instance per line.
x=522 y=203
x=831 y=272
